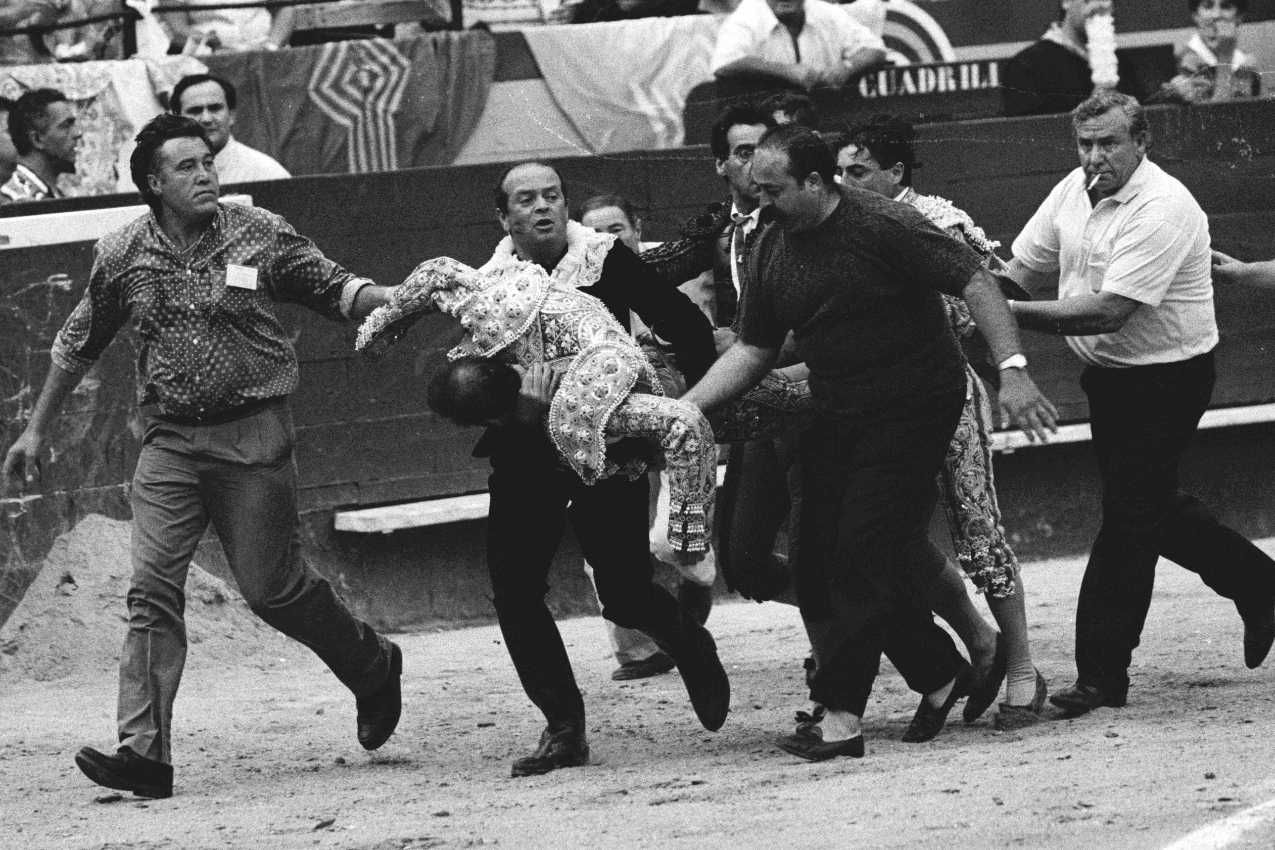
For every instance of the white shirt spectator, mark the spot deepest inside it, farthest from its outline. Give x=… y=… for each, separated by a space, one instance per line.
x=238 y=163
x=1148 y=242
x=223 y=29
x=829 y=37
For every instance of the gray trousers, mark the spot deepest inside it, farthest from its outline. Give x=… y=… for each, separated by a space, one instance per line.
x=240 y=476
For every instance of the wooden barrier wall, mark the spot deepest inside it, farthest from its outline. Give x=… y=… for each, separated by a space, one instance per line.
x=365 y=436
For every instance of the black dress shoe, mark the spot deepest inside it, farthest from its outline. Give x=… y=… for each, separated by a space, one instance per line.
x=1081 y=698
x=705 y=678
x=378 y=712
x=127 y=771
x=695 y=600
x=808 y=743
x=984 y=691
x=928 y=720
x=652 y=665
x=1259 y=634
x=563 y=747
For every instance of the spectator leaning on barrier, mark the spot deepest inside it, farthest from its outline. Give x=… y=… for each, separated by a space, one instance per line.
x=43 y=126
x=211 y=101
x=800 y=43
x=231 y=30
x=1057 y=72
x=1211 y=66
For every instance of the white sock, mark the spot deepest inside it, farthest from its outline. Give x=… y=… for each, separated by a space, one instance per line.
x=840 y=725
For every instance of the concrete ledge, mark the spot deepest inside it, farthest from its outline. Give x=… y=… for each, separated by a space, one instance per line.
x=474 y=506
x=425 y=513
x=1224 y=417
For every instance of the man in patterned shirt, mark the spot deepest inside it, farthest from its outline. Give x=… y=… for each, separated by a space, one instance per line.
x=42 y=124
x=215 y=368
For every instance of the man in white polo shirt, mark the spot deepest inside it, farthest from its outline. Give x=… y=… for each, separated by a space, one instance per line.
x=211 y=100
x=801 y=43
x=1130 y=247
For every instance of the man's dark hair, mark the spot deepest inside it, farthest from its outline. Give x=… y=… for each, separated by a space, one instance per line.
x=1104 y=101
x=502 y=197
x=154 y=134
x=28 y=115
x=620 y=202
x=733 y=116
x=1241 y=6
x=799 y=108
x=474 y=390
x=175 y=99
x=888 y=140
x=807 y=152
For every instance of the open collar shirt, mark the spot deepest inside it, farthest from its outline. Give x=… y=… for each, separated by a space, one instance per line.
x=26 y=185
x=1148 y=242
x=829 y=36
x=208 y=342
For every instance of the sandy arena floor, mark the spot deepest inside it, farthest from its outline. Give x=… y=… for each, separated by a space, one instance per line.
x=266 y=757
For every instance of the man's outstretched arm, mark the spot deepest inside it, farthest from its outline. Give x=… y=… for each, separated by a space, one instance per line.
x=22 y=461
x=739 y=368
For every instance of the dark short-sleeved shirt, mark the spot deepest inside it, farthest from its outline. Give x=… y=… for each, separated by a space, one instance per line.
x=860 y=292
x=206 y=347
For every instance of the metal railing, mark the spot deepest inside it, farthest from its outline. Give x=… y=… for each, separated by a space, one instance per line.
x=124 y=21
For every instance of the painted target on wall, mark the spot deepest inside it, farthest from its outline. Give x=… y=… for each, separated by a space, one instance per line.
x=914 y=36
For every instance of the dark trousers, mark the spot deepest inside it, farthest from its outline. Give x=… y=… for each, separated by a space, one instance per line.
x=531 y=499
x=760 y=494
x=240 y=476
x=1143 y=418
x=866 y=560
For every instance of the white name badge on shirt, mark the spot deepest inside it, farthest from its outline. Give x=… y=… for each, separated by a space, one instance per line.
x=241 y=277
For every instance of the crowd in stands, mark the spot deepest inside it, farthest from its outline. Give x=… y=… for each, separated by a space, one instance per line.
x=789 y=46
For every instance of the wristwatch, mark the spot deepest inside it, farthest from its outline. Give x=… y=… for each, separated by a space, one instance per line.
x=1013 y=361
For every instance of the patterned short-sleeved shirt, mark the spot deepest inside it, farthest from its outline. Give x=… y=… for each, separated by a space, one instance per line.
x=206 y=345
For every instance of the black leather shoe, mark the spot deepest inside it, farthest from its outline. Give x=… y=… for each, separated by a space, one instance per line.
x=808 y=743
x=127 y=771
x=984 y=691
x=1080 y=699
x=1259 y=634
x=653 y=665
x=928 y=720
x=378 y=713
x=695 y=600
x=564 y=747
x=705 y=678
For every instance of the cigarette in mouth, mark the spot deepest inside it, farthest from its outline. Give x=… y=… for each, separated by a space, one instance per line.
x=1093 y=181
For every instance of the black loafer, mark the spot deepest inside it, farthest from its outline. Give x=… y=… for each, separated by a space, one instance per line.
x=928 y=720
x=1080 y=699
x=705 y=678
x=378 y=713
x=808 y=743
x=563 y=747
x=1259 y=634
x=653 y=665
x=127 y=771
x=984 y=691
